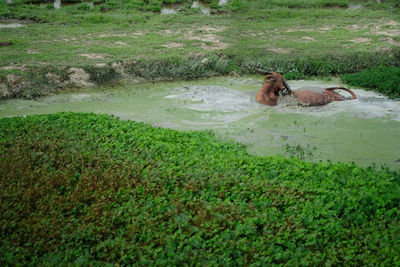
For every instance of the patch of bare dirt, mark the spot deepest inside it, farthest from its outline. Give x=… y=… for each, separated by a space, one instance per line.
x=390 y=40
x=120 y=43
x=69 y=39
x=280 y=50
x=118 y=68
x=197 y=55
x=308 y=38
x=252 y=34
x=78 y=77
x=32 y=52
x=208 y=41
x=320 y=29
x=169 y=32
x=388 y=28
x=383 y=49
x=391 y=33
x=113 y=35
x=173 y=45
x=92 y=56
x=101 y=65
x=325 y=28
x=14 y=67
x=104 y=35
x=361 y=40
x=393 y=23
x=211 y=29
x=300 y=30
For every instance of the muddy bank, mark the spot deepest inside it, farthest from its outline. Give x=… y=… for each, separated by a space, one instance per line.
x=33 y=81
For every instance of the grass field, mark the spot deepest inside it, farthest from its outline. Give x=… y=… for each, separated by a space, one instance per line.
x=304 y=38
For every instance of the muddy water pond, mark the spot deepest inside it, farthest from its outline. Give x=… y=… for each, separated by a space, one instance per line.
x=364 y=131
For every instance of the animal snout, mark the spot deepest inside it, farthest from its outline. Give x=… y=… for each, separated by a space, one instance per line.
x=285 y=91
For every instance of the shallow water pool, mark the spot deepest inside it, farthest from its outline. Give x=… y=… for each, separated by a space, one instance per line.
x=366 y=130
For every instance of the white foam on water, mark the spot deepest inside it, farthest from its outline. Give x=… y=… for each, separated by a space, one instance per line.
x=223 y=99
x=213 y=98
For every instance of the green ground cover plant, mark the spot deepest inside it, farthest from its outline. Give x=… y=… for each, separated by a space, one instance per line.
x=302 y=38
x=93 y=189
x=385 y=80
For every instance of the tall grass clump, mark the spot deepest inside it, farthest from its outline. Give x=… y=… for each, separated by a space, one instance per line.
x=318 y=65
x=180 y=68
x=310 y=3
x=87 y=189
x=385 y=80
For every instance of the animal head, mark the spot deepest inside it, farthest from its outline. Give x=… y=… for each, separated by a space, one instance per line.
x=274 y=85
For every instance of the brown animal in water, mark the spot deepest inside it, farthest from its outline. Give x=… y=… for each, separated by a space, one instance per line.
x=310 y=98
x=275 y=85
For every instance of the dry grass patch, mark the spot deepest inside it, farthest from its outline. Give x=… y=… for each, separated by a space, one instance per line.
x=173 y=45
x=361 y=40
x=120 y=43
x=308 y=38
x=280 y=50
x=92 y=56
x=208 y=41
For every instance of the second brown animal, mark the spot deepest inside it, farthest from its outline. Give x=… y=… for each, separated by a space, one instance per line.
x=275 y=86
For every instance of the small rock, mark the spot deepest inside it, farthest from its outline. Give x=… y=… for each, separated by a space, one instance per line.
x=118 y=68
x=54 y=78
x=16 y=83
x=78 y=77
x=204 y=60
x=4 y=93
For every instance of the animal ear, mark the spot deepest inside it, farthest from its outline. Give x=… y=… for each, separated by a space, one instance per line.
x=263 y=72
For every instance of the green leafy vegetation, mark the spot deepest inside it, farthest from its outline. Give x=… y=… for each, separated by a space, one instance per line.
x=87 y=189
x=385 y=80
